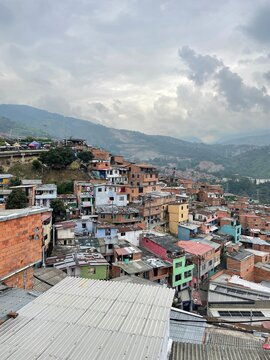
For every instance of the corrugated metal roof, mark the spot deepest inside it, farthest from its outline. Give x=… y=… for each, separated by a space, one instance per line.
x=187 y=332
x=221 y=338
x=80 y=318
x=12 y=299
x=182 y=351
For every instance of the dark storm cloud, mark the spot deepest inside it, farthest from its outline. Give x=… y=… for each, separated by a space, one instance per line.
x=259 y=26
x=200 y=66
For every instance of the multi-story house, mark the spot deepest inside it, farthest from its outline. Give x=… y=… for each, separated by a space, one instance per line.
x=230 y=226
x=205 y=257
x=117 y=175
x=84 y=192
x=153 y=208
x=118 y=215
x=88 y=265
x=178 y=213
x=85 y=225
x=64 y=233
x=167 y=249
x=30 y=192
x=211 y=195
x=21 y=245
x=110 y=195
x=130 y=260
x=45 y=194
x=207 y=219
x=241 y=263
x=142 y=179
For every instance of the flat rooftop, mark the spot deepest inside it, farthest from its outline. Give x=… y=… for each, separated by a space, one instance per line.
x=91 y=319
x=6 y=215
x=240 y=255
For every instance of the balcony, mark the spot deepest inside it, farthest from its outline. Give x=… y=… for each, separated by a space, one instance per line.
x=86 y=204
x=86 y=194
x=46 y=196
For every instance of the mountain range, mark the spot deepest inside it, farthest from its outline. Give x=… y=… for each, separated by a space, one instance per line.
x=26 y=120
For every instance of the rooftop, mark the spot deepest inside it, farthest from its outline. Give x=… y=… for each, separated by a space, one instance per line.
x=102 y=320
x=133 y=266
x=240 y=255
x=183 y=351
x=6 y=176
x=253 y=240
x=12 y=299
x=257 y=252
x=183 y=329
x=45 y=278
x=47 y=187
x=113 y=209
x=6 y=215
x=195 y=247
x=31 y=182
x=168 y=242
x=78 y=259
x=207 y=242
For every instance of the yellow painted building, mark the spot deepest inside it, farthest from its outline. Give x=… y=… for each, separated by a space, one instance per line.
x=177 y=213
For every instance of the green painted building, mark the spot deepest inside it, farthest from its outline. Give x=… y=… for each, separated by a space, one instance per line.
x=182 y=273
x=90 y=265
x=97 y=272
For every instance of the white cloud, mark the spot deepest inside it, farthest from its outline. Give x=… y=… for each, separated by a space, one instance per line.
x=116 y=62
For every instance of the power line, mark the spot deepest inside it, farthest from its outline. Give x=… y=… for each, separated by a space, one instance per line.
x=220 y=321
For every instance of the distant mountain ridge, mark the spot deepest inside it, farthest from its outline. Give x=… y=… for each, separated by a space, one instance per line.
x=135 y=145
x=259 y=139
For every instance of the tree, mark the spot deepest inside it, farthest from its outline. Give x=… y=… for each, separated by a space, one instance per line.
x=58 y=158
x=17 y=199
x=65 y=187
x=85 y=156
x=36 y=165
x=59 y=210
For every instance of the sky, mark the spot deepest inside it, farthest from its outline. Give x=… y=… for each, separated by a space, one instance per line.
x=184 y=68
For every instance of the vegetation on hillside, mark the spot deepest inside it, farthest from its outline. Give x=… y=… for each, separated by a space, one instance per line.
x=247 y=187
x=58 y=158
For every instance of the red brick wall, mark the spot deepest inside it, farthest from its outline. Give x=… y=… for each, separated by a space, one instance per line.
x=244 y=269
x=17 y=250
x=261 y=275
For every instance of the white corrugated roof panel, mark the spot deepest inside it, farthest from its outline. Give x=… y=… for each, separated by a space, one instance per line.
x=80 y=318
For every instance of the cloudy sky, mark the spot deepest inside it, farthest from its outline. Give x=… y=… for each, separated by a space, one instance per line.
x=186 y=68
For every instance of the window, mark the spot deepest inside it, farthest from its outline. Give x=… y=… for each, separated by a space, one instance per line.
x=121 y=198
x=123 y=233
x=203 y=267
x=92 y=270
x=210 y=262
x=187 y=273
x=110 y=246
x=155 y=271
x=84 y=225
x=178 y=264
x=102 y=216
x=99 y=189
x=248 y=314
x=107 y=232
x=178 y=277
